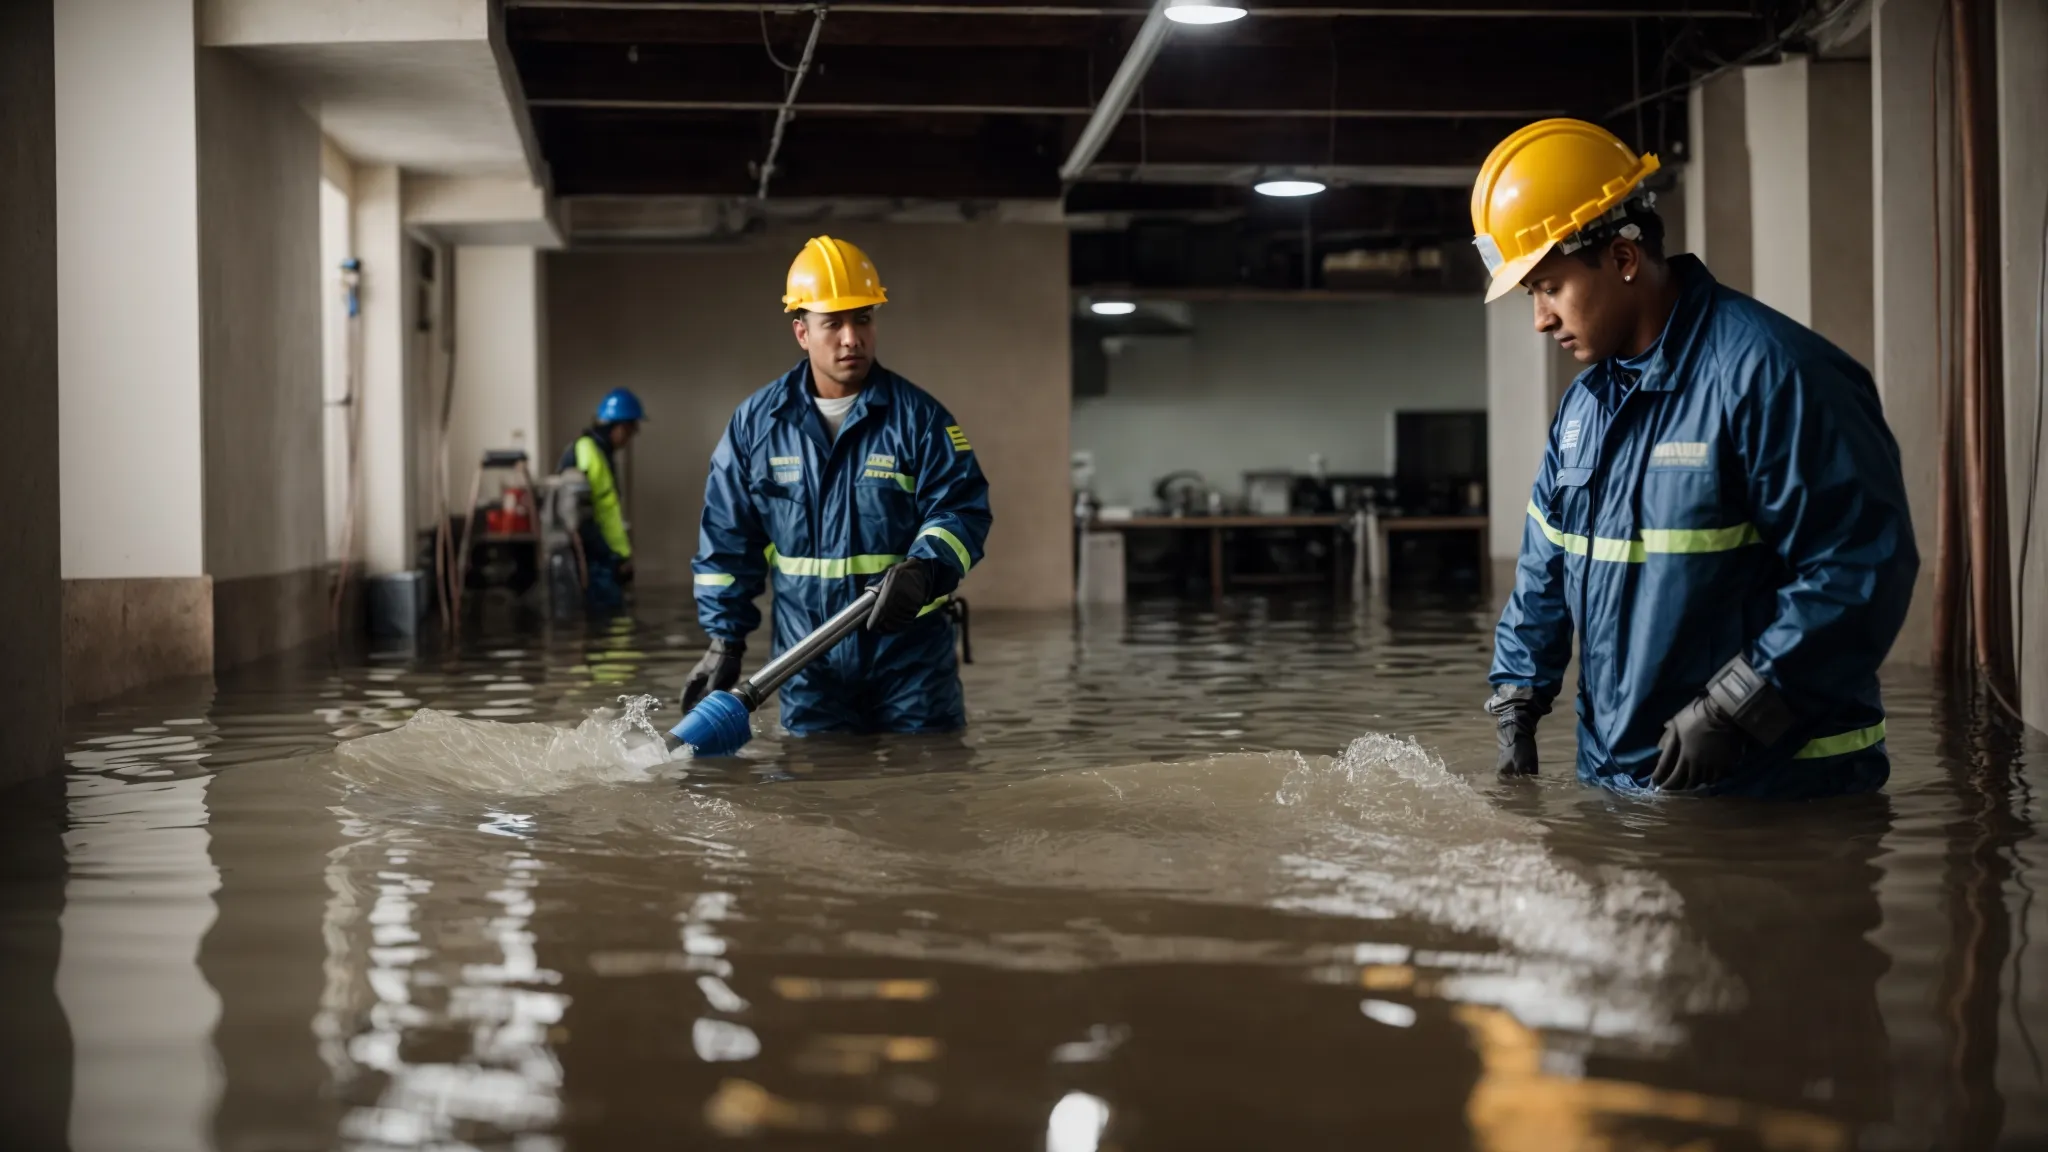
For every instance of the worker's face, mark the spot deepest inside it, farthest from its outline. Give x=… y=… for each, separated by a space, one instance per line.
x=623 y=433
x=1588 y=310
x=841 y=344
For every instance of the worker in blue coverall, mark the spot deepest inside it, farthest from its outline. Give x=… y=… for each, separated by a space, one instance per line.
x=839 y=476
x=1719 y=514
x=607 y=546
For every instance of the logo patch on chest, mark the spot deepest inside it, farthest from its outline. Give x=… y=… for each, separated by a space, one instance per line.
x=1681 y=454
x=1571 y=436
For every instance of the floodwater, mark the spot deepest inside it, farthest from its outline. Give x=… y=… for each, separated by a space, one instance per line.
x=1193 y=879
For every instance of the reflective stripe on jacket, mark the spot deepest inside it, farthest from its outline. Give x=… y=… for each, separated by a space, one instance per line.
x=592 y=457
x=826 y=518
x=1743 y=498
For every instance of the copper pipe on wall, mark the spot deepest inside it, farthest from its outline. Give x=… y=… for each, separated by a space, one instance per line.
x=1979 y=458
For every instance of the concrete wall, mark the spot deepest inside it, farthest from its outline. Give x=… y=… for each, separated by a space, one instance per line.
x=137 y=600
x=1716 y=180
x=1907 y=279
x=1809 y=130
x=695 y=331
x=128 y=289
x=259 y=241
x=2023 y=177
x=1525 y=379
x=31 y=604
x=1262 y=384
x=500 y=359
x=384 y=532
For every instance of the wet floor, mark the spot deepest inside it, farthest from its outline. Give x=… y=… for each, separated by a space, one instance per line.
x=1192 y=879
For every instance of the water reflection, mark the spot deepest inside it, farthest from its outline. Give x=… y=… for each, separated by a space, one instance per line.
x=1159 y=895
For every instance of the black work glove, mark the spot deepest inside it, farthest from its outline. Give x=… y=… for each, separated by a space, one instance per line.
x=718 y=671
x=1707 y=739
x=1700 y=745
x=906 y=589
x=1515 y=712
x=626 y=571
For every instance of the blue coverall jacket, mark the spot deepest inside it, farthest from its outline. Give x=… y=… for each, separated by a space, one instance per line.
x=1743 y=498
x=827 y=518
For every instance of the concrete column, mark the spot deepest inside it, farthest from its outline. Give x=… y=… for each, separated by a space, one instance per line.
x=385 y=514
x=1909 y=296
x=2023 y=229
x=1808 y=124
x=137 y=603
x=1716 y=181
x=1525 y=378
x=500 y=305
x=31 y=590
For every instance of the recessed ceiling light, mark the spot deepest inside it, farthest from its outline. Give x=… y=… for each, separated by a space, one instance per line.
x=1112 y=307
x=1202 y=12
x=1288 y=187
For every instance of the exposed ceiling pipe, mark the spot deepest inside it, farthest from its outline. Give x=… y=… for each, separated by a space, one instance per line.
x=1122 y=86
x=859 y=109
x=1078 y=10
x=782 y=115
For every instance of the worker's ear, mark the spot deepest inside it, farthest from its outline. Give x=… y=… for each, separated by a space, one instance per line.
x=1627 y=256
x=803 y=332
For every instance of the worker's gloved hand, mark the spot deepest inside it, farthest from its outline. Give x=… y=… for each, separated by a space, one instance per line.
x=906 y=589
x=1516 y=709
x=1707 y=739
x=718 y=671
x=626 y=571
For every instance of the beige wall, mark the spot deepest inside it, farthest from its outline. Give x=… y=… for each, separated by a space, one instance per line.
x=499 y=346
x=128 y=289
x=978 y=316
x=31 y=607
x=385 y=510
x=2023 y=175
x=259 y=278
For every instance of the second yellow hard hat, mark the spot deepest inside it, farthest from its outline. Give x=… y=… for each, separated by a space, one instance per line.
x=832 y=276
x=1541 y=185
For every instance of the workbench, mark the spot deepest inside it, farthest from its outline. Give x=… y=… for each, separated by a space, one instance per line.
x=1366 y=532
x=1341 y=528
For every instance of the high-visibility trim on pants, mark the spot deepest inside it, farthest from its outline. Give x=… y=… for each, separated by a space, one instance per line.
x=1658 y=541
x=1842 y=744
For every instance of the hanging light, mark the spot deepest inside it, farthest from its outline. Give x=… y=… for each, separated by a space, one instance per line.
x=1203 y=12
x=1289 y=186
x=1112 y=307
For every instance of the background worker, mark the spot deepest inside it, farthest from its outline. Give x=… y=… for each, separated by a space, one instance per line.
x=1719 y=513
x=607 y=546
x=840 y=475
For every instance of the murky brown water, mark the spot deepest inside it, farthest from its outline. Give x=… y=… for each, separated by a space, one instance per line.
x=1192 y=880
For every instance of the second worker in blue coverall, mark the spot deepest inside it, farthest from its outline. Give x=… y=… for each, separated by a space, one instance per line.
x=1720 y=513
x=837 y=476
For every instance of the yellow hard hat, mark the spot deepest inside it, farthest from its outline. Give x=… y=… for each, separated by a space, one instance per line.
x=1542 y=185
x=833 y=276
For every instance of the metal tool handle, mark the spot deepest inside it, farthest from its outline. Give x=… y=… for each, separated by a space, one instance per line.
x=761 y=684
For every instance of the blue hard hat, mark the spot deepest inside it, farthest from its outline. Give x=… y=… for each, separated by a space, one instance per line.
x=618 y=406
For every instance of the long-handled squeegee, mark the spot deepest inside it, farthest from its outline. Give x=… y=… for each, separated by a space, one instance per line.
x=719 y=725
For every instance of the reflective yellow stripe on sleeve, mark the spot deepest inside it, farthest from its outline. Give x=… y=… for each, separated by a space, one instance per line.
x=1654 y=541
x=1841 y=745
x=714 y=580
x=959 y=549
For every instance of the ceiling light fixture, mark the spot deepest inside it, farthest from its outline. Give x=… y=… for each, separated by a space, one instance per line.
x=1289 y=187
x=1202 y=12
x=1112 y=307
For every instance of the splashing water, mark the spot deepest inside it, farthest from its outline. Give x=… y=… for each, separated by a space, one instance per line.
x=434 y=747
